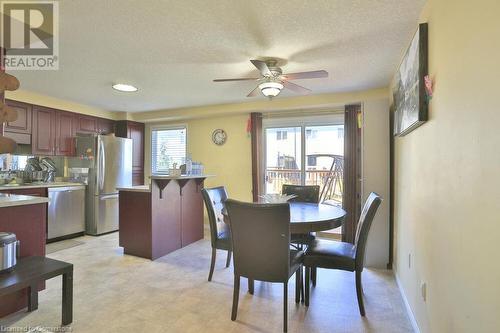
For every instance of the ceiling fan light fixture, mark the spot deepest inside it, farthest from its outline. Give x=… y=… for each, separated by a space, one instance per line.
x=125 y=87
x=270 y=89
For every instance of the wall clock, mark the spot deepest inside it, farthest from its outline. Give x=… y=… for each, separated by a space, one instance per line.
x=219 y=137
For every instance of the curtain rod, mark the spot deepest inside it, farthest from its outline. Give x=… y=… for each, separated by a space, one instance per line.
x=301 y=113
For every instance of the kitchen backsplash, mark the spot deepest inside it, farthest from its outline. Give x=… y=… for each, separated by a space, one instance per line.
x=9 y=162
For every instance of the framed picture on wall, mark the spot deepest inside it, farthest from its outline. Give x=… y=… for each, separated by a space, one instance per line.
x=409 y=97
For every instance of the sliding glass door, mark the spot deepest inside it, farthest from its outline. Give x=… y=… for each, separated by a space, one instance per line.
x=305 y=151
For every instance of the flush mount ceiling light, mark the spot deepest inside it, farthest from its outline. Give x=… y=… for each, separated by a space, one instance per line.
x=270 y=89
x=124 y=87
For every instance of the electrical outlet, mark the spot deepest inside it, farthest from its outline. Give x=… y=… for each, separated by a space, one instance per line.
x=423 y=290
x=409 y=260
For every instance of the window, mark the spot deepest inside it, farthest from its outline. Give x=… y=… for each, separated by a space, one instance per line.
x=168 y=146
x=281 y=135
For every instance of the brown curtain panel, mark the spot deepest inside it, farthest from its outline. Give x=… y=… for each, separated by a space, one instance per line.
x=256 y=134
x=352 y=171
x=2 y=69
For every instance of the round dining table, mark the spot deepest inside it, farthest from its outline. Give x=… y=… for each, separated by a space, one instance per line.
x=311 y=217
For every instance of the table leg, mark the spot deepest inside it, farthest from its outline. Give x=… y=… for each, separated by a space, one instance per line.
x=67 y=298
x=33 y=297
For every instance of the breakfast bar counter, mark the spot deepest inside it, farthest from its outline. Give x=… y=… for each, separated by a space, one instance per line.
x=158 y=219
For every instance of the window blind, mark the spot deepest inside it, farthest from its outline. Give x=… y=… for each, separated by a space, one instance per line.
x=168 y=146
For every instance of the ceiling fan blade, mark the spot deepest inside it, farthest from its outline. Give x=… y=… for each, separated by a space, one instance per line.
x=262 y=67
x=254 y=92
x=240 y=79
x=305 y=75
x=296 y=88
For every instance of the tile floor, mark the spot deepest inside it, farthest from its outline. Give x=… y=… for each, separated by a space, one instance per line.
x=119 y=293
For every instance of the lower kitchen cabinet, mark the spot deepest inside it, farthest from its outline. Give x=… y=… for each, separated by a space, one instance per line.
x=28 y=222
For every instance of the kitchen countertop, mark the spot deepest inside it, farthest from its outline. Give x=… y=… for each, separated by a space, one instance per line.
x=139 y=188
x=180 y=177
x=38 y=185
x=10 y=200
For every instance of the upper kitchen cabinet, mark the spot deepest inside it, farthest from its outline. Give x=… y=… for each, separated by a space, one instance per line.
x=105 y=126
x=44 y=131
x=65 y=133
x=23 y=123
x=135 y=131
x=20 y=129
x=86 y=124
x=53 y=132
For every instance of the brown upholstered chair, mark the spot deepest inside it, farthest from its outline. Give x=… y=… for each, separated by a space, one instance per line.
x=341 y=255
x=261 y=245
x=219 y=231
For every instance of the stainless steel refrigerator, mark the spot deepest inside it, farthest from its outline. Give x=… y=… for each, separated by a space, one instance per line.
x=109 y=160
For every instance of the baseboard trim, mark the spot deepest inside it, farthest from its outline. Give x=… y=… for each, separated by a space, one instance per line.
x=413 y=321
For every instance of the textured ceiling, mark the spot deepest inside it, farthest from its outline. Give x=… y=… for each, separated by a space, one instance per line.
x=173 y=49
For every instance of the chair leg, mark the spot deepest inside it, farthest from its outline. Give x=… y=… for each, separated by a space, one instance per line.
x=359 y=292
x=212 y=265
x=307 y=286
x=228 y=260
x=314 y=273
x=298 y=284
x=236 y=295
x=251 y=286
x=285 y=306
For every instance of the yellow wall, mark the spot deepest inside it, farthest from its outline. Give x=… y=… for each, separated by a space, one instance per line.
x=231 y=163
x=448 y=176
x=57 y=103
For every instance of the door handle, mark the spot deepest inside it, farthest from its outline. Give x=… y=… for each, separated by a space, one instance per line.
x=110 y=197
x=102 y=164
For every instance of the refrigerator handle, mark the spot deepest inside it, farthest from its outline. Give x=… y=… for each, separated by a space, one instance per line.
x=102 y=164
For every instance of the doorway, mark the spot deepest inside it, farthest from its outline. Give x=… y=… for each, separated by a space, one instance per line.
x=305 y=151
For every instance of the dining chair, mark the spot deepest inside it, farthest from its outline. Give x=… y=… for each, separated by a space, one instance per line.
x=309 y=194
x=261 y=245
x=304 y=193
x=220 y=236
x=342 y=255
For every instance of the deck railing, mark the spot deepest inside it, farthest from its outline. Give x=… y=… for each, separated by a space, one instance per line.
x=276 y=177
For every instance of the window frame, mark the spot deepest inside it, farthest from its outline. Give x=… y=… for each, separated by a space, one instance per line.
x=166 y=128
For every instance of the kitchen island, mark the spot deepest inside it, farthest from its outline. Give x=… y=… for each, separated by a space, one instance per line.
x=24 y=216
x=163 y=217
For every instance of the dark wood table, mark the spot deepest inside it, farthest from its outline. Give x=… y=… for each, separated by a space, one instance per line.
x=30 y=271
x=310 y=217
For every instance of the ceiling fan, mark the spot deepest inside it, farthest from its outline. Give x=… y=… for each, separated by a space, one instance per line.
x=272 y=79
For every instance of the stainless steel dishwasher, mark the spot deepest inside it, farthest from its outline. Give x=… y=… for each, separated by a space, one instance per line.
x=66 y=211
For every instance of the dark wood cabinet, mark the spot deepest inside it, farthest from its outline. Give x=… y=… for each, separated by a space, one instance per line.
x=65 y=133
x=34 y=192
x=44 y=131
x=86 y=124
x=105 y=126
x=135 y=131
x=29 y=224
x=152 y=225
x=51 y=131
x=23 y=123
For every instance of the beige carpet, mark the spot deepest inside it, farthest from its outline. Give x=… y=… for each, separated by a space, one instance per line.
x=118 y=293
